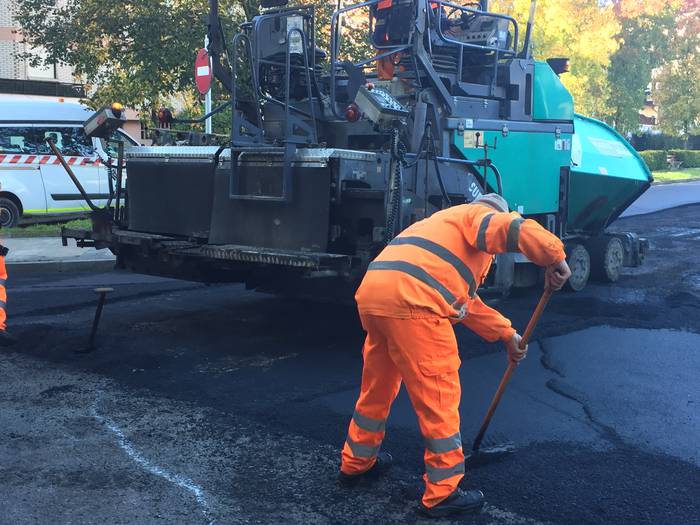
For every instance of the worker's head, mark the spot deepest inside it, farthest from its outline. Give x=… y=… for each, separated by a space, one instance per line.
x=494 y=200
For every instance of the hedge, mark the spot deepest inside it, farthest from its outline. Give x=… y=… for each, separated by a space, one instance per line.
x=655 y=142
x=646 y=141
x=656 y=159
x=689 y=158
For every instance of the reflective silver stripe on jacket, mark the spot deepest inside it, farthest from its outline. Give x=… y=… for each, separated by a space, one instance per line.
x=3 y=304
x=438 y=474
x=369 y=424
x=417 y=272
x=444 y=254
x=513 y=237
x=481 y=236
x=362 y=451
x=2 y=282
x=442 y=445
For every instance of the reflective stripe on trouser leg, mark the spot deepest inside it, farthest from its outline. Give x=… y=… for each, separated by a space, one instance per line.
x=362 y=451
x=440 y=447
x=369 y=424
x=437 y=474
x=444 y=467
x=425 y=352
x=3 y=293
x=380 y=385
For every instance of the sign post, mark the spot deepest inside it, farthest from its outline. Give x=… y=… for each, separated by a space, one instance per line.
x=202 y=77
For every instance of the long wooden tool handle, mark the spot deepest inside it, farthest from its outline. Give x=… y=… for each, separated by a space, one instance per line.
x=72 y=176
x=511 y=368
x=546 y=295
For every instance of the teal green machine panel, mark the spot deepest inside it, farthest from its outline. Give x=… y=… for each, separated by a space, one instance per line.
x=529 y=163
x=550 y=98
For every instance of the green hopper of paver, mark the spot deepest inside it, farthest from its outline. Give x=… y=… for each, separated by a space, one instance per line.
x=578 y=179
x=606 y=176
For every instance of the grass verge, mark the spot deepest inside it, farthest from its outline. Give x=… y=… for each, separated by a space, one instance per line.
x=43 y=229
x=677 y=175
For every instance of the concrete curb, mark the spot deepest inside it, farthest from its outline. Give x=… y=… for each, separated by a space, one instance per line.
x=28 y=235
x=679 y=181
x=49 y=266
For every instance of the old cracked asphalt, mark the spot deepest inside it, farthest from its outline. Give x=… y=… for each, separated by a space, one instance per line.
x=211 y=404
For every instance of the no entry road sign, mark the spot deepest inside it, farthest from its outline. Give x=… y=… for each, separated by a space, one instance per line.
x=202 y=71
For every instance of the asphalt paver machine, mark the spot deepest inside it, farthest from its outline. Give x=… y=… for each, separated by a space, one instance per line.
x=328 y=159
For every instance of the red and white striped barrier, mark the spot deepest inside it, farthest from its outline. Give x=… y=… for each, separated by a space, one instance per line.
x=48 y=159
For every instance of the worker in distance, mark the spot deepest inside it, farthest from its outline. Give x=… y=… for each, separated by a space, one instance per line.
x=6 y=339
x=421 y=284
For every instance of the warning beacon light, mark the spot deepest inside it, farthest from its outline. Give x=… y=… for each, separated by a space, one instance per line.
x=105 y=121
x=117 y=109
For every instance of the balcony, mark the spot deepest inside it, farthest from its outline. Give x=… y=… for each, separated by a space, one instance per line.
x=41 y=87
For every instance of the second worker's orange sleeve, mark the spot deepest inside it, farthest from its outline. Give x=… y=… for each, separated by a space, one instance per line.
x=488 y=323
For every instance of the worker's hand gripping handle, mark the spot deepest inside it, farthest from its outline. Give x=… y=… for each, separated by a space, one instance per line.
x=546 y=295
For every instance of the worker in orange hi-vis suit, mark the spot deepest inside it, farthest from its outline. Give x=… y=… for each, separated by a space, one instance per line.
x=5 y=338
x=421 y=284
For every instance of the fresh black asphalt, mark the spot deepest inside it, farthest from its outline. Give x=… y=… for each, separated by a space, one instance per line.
x=212 y=404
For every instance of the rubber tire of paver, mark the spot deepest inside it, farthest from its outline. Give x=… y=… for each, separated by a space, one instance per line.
x=9 y=213
x=607 y=257
x=579 y=261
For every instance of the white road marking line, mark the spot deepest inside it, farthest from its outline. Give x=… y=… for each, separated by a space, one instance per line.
x=138 y=458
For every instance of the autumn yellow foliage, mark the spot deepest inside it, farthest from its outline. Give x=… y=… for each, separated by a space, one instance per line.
x=588 y=32
x=581 y=30
x=635 y=8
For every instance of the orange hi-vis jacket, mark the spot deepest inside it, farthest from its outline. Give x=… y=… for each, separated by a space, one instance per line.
x=435 y=266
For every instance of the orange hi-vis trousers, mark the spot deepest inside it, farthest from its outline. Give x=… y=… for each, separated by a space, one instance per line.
x=421 y=352
x=3 y=293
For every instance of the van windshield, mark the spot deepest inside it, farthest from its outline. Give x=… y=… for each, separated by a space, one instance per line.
x=109 y=145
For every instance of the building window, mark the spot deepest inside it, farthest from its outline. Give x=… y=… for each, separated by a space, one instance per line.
x=40 y=72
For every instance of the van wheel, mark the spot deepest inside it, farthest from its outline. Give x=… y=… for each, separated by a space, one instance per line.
x=9 y=213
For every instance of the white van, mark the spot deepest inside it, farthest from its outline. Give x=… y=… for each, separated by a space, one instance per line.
x=33 y=184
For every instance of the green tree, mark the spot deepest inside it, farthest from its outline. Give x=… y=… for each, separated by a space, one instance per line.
x=133 y=51
x=582 y=30
x=644 y=46
x=678 y=83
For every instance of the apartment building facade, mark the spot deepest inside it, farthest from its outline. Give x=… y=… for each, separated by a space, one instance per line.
x=13 y=65
x=53 y=82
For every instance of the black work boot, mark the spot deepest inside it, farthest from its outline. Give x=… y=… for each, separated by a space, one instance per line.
x=380 y=467
x=459 y=502
x=6 y=338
